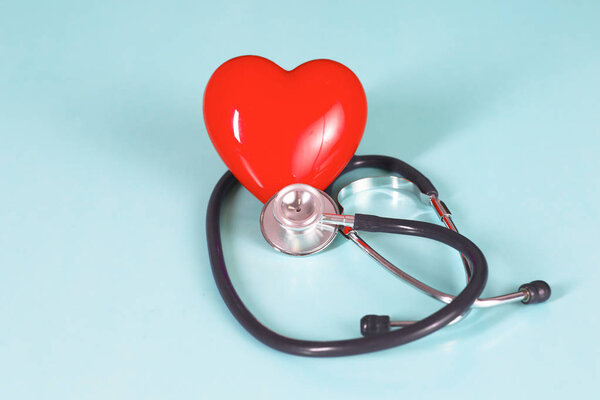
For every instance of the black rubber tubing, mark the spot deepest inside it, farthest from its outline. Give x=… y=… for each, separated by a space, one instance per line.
x=345 y=347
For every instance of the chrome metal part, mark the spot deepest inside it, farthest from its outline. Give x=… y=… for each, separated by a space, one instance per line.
x=446 y=217
x=436 y=294
x=339 y=220
x=291 y=220
x=440 y=207
x=402 y=184
x=381 y=182
x=443 y=212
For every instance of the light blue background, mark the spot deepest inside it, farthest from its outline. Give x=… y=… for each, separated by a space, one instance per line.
x=106 y=170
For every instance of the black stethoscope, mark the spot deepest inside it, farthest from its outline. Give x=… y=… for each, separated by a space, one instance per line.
x=302 y=220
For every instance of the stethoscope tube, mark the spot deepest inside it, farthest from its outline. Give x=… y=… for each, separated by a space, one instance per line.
x=381 y=341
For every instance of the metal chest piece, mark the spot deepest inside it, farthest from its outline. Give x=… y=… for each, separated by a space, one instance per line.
x=291 y=220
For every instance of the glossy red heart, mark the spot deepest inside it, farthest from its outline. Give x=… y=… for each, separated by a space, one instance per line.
x=274 y=127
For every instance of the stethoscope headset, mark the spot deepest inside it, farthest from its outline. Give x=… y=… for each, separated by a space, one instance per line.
x=302 y=220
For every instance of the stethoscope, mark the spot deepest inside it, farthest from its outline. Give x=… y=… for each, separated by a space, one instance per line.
x=302 y=220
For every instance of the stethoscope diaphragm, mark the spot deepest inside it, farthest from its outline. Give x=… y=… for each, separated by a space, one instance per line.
x=291 y=220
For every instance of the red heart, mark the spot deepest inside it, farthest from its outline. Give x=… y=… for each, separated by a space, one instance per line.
x=274 y=127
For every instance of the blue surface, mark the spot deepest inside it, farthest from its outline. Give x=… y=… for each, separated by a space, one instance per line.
x=106 y=170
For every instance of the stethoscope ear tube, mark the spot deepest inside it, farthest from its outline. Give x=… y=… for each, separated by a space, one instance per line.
x=382 y=341
x=402 y=176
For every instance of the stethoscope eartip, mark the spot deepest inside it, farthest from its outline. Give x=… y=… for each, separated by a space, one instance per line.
x=371 y=325
x=537 y=292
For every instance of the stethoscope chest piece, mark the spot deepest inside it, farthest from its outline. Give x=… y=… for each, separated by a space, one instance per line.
x=291 y=220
